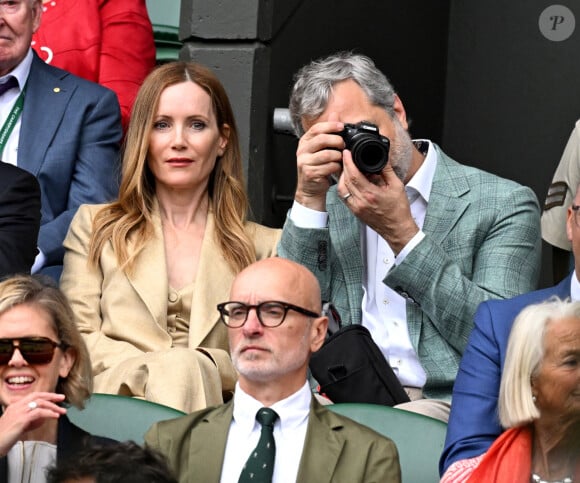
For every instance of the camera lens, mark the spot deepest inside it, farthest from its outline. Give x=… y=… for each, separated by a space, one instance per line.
x=370 y=150
x=370 y=155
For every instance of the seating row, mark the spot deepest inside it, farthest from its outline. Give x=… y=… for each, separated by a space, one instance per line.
x=419 y=438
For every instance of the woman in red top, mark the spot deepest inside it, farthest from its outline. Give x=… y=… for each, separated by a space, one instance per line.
x=105 y=41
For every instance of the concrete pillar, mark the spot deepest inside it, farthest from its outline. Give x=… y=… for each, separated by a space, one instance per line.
x=232 y=37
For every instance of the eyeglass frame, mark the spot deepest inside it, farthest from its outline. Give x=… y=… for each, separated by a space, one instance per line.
x=575 y=209
x=55 y=345
x=257 y=307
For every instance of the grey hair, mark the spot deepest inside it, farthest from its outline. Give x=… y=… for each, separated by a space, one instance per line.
x=313 y=85
x=524 y=357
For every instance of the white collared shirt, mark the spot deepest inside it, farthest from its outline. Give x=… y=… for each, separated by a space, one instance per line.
x=574 y=287
x=289 y=434
x=7 y=101
x=383 y=309
x=29 y=460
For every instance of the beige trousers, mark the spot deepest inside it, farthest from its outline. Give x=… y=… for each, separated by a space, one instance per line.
x=182 y=378
x=434 y=408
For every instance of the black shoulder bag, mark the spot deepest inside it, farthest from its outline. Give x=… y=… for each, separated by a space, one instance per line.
x=350 y=367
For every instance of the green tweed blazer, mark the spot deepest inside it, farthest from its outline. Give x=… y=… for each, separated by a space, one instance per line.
x=336 y=449
x=482 y=241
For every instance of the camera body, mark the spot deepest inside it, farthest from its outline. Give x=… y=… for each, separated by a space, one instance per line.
x=370 y=150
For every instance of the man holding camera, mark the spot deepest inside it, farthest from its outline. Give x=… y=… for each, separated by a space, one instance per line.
x=412 y=250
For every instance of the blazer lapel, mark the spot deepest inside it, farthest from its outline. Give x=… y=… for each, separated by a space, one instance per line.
x=562 y=290
x=208 y=447
x=45 y=101
x=70 y=438
x=149 y=278
x=444 y=210
x=446 y=205
x=212 y=285
x=322 y=447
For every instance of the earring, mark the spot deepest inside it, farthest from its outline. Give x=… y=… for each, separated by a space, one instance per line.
x=534 y=398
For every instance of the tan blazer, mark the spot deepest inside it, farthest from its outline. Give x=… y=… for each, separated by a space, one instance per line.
x=121 y=317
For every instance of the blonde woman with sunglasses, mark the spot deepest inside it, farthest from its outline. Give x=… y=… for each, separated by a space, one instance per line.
x=44 y=366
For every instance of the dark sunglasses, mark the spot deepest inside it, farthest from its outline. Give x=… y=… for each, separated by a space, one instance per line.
x=35 y=350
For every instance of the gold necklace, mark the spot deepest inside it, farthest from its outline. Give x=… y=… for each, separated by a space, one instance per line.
x=30 y=466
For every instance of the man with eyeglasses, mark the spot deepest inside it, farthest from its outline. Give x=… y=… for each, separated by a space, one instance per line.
x=473 y=422
x=273 y=430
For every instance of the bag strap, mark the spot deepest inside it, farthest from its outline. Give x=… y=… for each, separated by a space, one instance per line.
x=334 y=319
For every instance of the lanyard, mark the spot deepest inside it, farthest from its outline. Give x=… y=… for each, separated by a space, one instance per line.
x=10 y=122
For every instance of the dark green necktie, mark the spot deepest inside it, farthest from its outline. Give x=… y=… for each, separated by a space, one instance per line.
x=260 y=464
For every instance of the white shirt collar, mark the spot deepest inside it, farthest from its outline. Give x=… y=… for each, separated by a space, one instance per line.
x=292 y=411
x=22 y=70
x=574 y=287
x=422 y=180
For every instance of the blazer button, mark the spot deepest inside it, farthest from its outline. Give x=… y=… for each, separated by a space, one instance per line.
x=408 y=298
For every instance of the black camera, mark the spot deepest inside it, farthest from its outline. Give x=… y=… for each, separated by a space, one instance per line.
x=370 y=150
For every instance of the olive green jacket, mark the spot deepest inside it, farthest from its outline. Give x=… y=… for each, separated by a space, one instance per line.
x=336 y=449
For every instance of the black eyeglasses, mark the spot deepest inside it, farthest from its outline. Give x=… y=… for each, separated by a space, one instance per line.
x=35 y=350
x=270 y=313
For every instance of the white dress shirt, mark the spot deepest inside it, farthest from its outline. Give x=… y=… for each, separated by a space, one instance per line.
x=29 y=460
x=289 y=434
x=574 y=287
x=7 y=101
x=383 y=309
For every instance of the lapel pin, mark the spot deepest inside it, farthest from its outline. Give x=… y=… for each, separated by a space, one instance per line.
x=56 y=89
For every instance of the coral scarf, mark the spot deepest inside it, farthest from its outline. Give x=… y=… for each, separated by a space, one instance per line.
x=509 y=460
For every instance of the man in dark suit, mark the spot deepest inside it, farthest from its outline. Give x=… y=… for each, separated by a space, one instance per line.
x=273 y=326
x=19 y=219
x=473 y=423
x=63 y=129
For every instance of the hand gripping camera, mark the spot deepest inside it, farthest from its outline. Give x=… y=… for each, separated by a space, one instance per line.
x=370 y=150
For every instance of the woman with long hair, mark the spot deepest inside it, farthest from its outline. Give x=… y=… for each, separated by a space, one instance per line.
x=144 y=273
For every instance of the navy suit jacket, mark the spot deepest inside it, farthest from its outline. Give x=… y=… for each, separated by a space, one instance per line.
x=69 y=139
x=19 y=219
x=473 y=422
